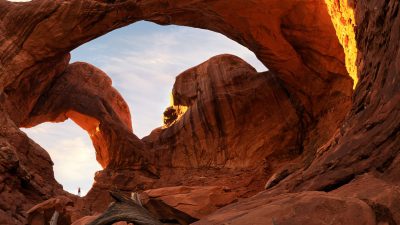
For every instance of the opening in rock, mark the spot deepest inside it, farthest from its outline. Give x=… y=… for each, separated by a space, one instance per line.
x=144 y=58
x=72 y=153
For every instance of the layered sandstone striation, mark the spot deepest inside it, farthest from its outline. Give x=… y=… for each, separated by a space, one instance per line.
x=225 y=99
x=298 y=126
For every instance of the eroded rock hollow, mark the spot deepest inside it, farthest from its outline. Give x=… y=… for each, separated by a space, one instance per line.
x=238 y=143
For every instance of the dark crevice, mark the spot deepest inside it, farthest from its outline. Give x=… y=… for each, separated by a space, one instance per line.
x=383 y=215
x=303 y=115
x=203 y=117
x=386 y=164
x=337 y=183
x=195 y=137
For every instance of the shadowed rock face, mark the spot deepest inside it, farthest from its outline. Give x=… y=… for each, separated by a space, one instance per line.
x=196 y=201
x=296 y=208
x=241 y=127
x=84 y=94
x=26 y=174
x=229 y=103
x=367 y=143
x=42 y=213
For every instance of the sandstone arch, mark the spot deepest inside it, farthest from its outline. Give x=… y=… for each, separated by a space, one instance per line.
x=282 y=42
x=84 y=94
x=312 y=72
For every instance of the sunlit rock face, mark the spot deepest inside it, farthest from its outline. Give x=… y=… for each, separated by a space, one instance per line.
x=240 y=127
x=342 y=16
x=368 y=139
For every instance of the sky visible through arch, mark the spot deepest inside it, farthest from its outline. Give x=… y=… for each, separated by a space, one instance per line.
x=143 y=60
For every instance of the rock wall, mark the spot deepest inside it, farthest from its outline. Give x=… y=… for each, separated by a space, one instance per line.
x=360 y=160
x=26 y=174
x=229 y=103
x=299 y=125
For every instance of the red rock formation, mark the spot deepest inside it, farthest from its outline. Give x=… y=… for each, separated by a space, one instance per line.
x=87 y=219
x=226 y=100
x=295 y=208
x=197 y=202
x=226 y=107
x=383 y=197
x=84 y=94
x=84 y=220
x=42 y=213
x=239 y=129
x=26 y=174
x=369 y=138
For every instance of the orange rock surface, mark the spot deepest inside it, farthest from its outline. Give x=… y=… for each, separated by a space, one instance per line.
x=299 y=127
x=196 y=201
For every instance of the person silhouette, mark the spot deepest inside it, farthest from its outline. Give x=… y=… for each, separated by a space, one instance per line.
x=79 y=191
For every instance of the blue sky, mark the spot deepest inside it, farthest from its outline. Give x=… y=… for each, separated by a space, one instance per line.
x=143 y=60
